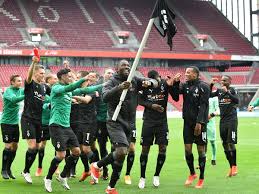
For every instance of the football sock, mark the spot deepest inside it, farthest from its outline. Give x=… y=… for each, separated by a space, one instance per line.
x=143 y=165
x=202 y=163
x=41 y=156
x=53 y=167
x=189 y=161
x=130 y=161
x=29 y=159
x=159 y=164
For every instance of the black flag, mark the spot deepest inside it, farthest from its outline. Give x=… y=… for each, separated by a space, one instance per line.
x=164 y=21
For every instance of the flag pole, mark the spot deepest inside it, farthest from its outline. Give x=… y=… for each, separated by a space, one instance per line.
x=134 y=66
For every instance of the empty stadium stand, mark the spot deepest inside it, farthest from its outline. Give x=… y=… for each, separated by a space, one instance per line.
x=255 y=79
x=208 y=20
x=11 y=20
x=82 y=25
x=240 y=74
x=68 y=26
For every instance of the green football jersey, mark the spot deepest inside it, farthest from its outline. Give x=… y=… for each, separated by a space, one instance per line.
x=60 y=99
x=11 y=98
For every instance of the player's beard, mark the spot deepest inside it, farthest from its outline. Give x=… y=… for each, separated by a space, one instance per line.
x=124 y=74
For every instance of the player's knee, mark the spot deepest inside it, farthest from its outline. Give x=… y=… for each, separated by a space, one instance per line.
x=231 y=146
x=162 y=149
x=132 y=148
x=32 y=144
x=86 y=149
x=93 y=146
x=14 y=147
x=201 y=151
x=120 y=154
x=145 y=150
x=225 y=146
x=60 y=155
x=76 y=151
x=8 y=146
x=43 y=145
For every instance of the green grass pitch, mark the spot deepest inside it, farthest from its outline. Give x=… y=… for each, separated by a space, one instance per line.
x=173 y=174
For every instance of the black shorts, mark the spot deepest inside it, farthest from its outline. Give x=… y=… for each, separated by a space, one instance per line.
x=86 y=134
x=102 y=132
x=228 y=131
x=190 y=138
x=31 y=130
x=154 y=131
x=62 y=137
x=10 y=133
x=46 y=135
x=118 y=133
x=74 y=127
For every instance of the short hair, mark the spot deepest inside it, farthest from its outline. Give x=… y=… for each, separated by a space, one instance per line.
x=230 y=79
x=37 y=67
x=49 y=76
x=13 y=77
x=95 y=72
x=123 y=61
x=107 y=69
x=195 y=69
x=63 y=72
x=83 y=73
x=152 y=74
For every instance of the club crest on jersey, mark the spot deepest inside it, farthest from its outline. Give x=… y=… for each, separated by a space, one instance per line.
x=58 y=144
x=196 y=94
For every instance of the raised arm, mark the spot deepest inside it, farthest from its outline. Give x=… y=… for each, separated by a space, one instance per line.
x=87 y=90
x=174 y=88
x=67 y=88
x=212 y=83
x=143 y=82
x=214 y=94
x=233 y=95
x=31 y=70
